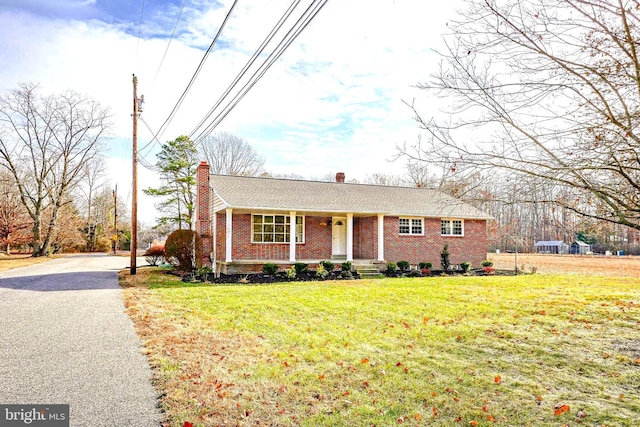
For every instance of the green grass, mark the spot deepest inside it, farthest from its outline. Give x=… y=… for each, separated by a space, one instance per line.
x=437 y=351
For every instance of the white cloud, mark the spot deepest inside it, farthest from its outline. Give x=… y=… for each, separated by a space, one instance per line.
x=332 y=102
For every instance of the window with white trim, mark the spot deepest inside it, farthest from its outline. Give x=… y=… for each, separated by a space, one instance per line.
x=452 y=227
x=411 y=226
x=275 y=228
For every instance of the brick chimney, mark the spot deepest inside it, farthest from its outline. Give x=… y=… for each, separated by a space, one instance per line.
x=340 y=177
x=202 y=214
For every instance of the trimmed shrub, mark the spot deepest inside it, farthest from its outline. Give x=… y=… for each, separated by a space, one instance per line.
x=488 y=270
x=445 y=263
x=391 y=267
x=290 y=272
x=425 y=266
x=321 y=272
x=270 y=268
x=300 y=267
x=154 y=255
x=487 y=263
x=328 y=266
x=183 y=250
x=465 y=266
x=414 y=273
x=346 y=266
x=403 y=265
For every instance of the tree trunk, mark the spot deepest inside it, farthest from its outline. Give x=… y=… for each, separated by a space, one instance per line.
x=36 y=238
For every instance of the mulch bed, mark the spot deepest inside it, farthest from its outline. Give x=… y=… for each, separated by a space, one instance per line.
x=310 y=275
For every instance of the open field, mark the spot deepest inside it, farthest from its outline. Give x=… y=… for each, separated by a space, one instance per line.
x=627 y=266
x=529 y=350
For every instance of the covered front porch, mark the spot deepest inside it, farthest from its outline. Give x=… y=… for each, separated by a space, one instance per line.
x=250 y=238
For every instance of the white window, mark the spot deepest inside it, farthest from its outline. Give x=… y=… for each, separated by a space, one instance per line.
x=411 y=226
x=452 y=227
x=275 y=229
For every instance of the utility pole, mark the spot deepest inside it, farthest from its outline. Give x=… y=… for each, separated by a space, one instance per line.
x=115 y=220
x=134 y=204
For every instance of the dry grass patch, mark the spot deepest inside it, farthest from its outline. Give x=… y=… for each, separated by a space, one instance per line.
x=7 y=262
x=528 y=350
x=586 y=265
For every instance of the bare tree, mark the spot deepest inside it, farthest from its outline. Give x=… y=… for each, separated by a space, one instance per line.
x=45 y=142
x=380 y=178
x=14 y=220
x=544 y=91
x=228 y=154
x=92 y=184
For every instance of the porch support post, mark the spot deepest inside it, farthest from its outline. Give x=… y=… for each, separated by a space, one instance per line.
x=229 y=235
x=292 y=236
x=380 y=237
x=349 y=237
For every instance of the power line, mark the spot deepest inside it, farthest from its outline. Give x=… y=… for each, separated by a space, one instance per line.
x=168 y=45
x=195 y=75
x=139 y=28
x=141 y=159
x=310 y=13
x=249 y=63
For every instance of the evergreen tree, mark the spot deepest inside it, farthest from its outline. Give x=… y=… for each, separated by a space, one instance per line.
x=177 y=162
x=444 y=259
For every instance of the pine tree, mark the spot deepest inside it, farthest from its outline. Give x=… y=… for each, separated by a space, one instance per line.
x=177 y=162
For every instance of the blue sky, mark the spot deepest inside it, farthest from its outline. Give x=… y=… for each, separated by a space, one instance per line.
x=332 y=102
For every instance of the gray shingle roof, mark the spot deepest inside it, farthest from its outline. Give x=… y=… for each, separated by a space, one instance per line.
x=331 y=198
x=550 y=243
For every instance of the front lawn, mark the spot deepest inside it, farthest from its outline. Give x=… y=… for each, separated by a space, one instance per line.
x=526 y=350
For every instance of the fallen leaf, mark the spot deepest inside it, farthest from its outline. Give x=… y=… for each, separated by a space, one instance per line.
x=364 y=360
x=473 y=423
x=491 y=418
x=321 y=376
x=581 y=414
x=497 y=379
x=400 y=420
x=434 y=410
x=417 y=416
x=187 y=424
x=560 y=409
x=425 y=320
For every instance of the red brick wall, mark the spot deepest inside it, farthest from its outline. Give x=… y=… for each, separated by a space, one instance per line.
x=365 y=237
x=317 y=241
x=472 y=247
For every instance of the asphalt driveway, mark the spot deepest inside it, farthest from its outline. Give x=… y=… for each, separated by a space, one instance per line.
x=65 y=339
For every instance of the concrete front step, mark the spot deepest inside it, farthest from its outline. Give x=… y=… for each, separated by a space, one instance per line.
x=367 y=270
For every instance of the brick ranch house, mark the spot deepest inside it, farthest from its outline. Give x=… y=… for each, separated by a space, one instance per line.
x=245 y=222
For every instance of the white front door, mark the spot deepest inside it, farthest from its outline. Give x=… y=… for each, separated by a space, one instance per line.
x=339 y=236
